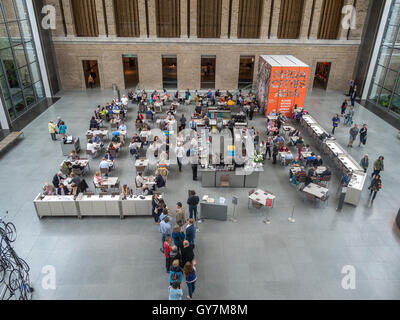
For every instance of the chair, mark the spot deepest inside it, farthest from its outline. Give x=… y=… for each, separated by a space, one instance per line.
x=98 y=187
x=77 y=171
x=310 y=197
x=114 y=125
x=91 y=154
x=104 y=171
x=225 y=181
x=102 y=193
x=140 y=168
x=89 y=193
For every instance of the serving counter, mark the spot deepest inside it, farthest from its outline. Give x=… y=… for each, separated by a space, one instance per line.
x=55 y=206
x=355 y=187
x=247 y=177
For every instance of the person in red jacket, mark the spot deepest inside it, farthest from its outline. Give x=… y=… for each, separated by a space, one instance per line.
x=167 y=250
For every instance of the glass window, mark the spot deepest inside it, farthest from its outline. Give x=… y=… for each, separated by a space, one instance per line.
x=374 y=94
x=39 y=90
x=25 y=76
x=29 y=96
x=395 y=104
x=9 y=67
x=4 y=87
x=395 y=15
x=26 y=30
x=18 y=101
x=4 y=42
x=13 y=28
x=395 y=60
x=31 y=52
x=384 y=56
x=390 y=36
x=20 y=56
x=10 y=108
x=391 y=79
x=384 y=98
x=379 y=75
x=35 y=72
x=9 y=11
x=21 y=9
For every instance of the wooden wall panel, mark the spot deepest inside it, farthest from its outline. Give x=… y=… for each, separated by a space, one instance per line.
x=85 y=18
x=209 y=13
x=168 y=16
x=249 y=22
x=330 y=19
x=290 y=16
x=127 y=18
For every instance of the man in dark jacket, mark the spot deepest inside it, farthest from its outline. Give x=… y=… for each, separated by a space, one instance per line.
x=193 y=201
x=186 y=252
x=190 y=232
x=57 y=179
x=160 y=182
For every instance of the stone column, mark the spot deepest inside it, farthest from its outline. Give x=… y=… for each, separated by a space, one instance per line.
x=142 y=18
x=225 y=19
x=265 y=19
x=193 y=18
x=306 y=19
x=344 y=32
x=234 y=19
x=316 y=19
x=69 y=20
x=184 y=8
x=151 y=7
x=275 y=19
x=110 y=18
x=101 y=22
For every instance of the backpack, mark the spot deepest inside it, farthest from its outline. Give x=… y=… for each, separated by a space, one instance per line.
x=174 y=277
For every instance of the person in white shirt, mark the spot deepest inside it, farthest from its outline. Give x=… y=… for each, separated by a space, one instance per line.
x=139 y=180
x=122 y=127
x=104 y=164
x=124 y=100
x=180 y=153
x=92 y=147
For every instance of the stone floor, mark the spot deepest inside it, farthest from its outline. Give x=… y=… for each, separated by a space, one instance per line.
x=109 y=258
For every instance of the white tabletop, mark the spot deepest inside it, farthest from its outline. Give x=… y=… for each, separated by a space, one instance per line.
x=110 y=181
x=58 y=198
x=349 y=163
x=318 y=129
x=357 y=181
x=315 y=190
x=261 y=196
x=98 y=132
x=140 y=163
x=335 y=147
x=310 y=120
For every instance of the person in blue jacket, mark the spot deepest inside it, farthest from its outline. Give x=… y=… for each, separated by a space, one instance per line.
x=175 y=273
x=190 y=232
x=335 y=123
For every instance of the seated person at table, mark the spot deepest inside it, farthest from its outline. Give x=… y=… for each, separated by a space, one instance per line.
x=151 y=113
x=75 y=179
x=299 y=142
x=310 y=159
x=284 y=149
x=288 y=157
x=104 y=164
x=139 y=116
x=92 y=147
x=312 y=175
x=159 y=180
x=307 y=148
x=294 y=133
x=108 y=106
x=109 y=157
x=272 y=113
x=96 y=140
x=326 y=173
x=93 y=124
x=279 y=139
x=73 y=156
x=134 y=148
x=230 y=102
x=317 y=162
x=113 y=146
x=139 y=180
x=206 y=121
x=77 y=165
x=58 y=178
x=122 y=127
x=62 y=190
x=115 y=107
x=116 y=137
x=295 y=162
x=109 y=114
x=98 y=181
x=198 y=108
x=146 y=191
x=136 y=138
x=49 y=190
x=114 y=120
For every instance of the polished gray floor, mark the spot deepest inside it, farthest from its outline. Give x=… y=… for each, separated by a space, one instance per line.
x=109 y=258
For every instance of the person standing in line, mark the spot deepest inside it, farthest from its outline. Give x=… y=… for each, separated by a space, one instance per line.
x=165 y=230
x=180 y=153
x=193 y=201
x=268 y=145
x=52 y=130
x=166 y=250
x=177 y=235
x=175 y=291
x=62 y=129
x=190 y=232
x=335 y=123
x=353 y=95
x=180 y=215
x=378 y=166
x=275 y=151
x=364 y=163
x=182 y=121
x=187 y=254
x=376 y=185
x=363 y=135
x=190 y=276
x=353 y=135
x=343 y=108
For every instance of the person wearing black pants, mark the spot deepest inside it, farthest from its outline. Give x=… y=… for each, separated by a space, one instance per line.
x=194 y=171
x=375 y=186
x=268 y=146
x=193 y=201
x=274 y=154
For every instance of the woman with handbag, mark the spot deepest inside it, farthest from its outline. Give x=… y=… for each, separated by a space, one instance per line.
x=375 y=186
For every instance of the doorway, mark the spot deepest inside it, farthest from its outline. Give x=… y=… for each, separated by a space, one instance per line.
x=91 y=69
x=246 y=69
x=131 y=71
x=170 y=72
x=322 y=75
x=207 y=72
